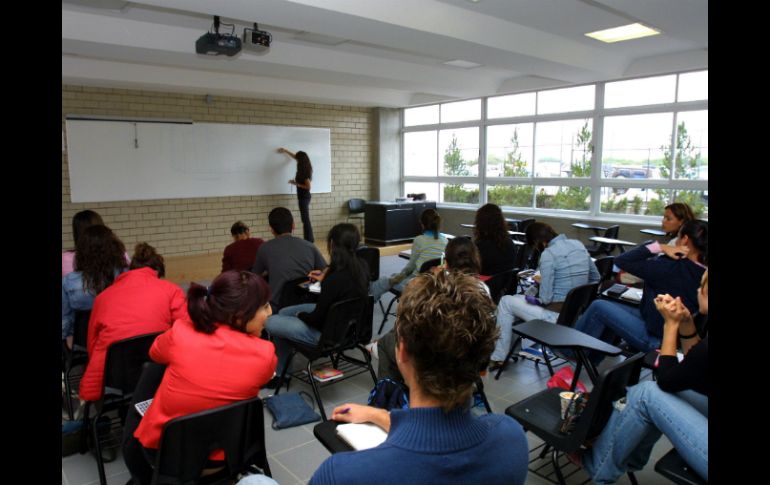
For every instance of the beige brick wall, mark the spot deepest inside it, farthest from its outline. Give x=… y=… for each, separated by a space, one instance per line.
x=179 y=227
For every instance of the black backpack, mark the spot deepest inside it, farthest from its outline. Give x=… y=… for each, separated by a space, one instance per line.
x=389 y=394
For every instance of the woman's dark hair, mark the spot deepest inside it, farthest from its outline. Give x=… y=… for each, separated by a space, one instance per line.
x=431 y=221
x=232 y=299
x=490 y=225
x=83 y=220
x=446 y=322
x=539 y=233
x=697 y=231
x=100 y=257
x=681 y=211
x=341 y=243
x=304 y=168
x=145 y=256
x=238 y=228
x=462 y=255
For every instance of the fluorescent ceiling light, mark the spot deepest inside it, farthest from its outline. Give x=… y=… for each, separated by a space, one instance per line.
x=624 y=32
x=463 y=64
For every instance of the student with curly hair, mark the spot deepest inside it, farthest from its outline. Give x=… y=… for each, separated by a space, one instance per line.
x=99 y=259
x=445 y=331
x=80 y=222
x=674 y=216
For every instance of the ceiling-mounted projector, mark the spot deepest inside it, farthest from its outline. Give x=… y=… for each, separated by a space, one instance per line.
x=214 y=43
x=257 y=41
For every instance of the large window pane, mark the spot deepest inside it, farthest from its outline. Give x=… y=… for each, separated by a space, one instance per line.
x=696 y=199
x=693 y=86
x=634 y=200
x=565 y=198
x=424 y=115
x=511 y=195
x=563 y=148
x=565 y=100
x=509 y=106
x=637 y=146
x=460 y=193
x=430 y=189
x=509 y=150
x=459 y=151
x=638 y=92
x=692 y=140
x=420 y=153
x=461 y=111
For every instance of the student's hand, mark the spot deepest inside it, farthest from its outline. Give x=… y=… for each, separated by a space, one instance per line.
x=675 y=252
x=293 y=182
x=395 y=279
x=358 y=413
x=316 y=275
x=282 y=150
x=537 y=278
x=438 y=269
x=662 y=300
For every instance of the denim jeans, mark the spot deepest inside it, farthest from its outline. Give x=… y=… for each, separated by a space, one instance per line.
x=627 y=440
x=511 y=306
x=304 y=213
x=382 y=285
x=285 y=328
x=604 y=318
x=73 y=297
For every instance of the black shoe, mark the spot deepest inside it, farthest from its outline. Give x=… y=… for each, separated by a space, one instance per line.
x=273 y=383
x=494 y=365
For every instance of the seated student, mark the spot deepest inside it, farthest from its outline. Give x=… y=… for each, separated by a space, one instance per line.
x=674 y=216
x=677 y=272
x=676 y=404
x=214 y=357
x=461 y=256
x=564 y=264
x=490 y=233
x=99 y=259
x=285 y=258
x=136 y=303
x=242 y=252
x=80 y=222
x=445 y=330
x=428 y=245
x=346 y=277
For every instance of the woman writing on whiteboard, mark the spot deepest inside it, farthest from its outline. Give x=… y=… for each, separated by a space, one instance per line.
x=302 y=181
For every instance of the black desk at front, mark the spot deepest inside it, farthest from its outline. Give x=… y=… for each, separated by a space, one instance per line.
x=389 y=222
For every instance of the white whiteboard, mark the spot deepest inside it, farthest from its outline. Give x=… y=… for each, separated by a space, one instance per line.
x=127 y=160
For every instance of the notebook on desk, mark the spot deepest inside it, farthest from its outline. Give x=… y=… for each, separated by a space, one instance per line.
x=361 y=436
x=632 y=294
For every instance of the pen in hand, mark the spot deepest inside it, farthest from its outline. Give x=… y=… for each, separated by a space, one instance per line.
x=344 y=411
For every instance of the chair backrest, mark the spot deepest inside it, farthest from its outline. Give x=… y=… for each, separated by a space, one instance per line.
x=604 y=266
x=356 y=206
x=343 y=324
x=524 y=224
x=124 y=361
x=501 y=284
x=576 y=302
x=187 y=441
x=372 y=258
x=427 y=265
x=610 y=387
x=612 y=231
x=80 y=329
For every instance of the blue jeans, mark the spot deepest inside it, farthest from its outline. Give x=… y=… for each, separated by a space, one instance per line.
x=511 y=306
x=285 y=328
x=604 y=318
x=627 y=440
x=382 y=285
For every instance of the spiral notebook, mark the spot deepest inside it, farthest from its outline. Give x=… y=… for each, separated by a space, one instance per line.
x=361 y=436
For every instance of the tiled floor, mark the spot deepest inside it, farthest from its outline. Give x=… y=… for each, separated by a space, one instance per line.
x=294 y=454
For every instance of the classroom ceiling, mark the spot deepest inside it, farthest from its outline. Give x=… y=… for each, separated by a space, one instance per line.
x=388 y=53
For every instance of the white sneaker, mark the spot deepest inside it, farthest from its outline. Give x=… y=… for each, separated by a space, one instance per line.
x=372 y=348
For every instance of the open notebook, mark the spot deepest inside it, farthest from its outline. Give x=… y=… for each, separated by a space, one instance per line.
x=361 y=436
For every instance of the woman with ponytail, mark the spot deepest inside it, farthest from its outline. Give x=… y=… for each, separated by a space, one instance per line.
x=346 y=277
x=214 y=357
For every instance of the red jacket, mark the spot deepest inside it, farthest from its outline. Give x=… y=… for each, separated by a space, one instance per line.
x=136 y=303
x=204 y=371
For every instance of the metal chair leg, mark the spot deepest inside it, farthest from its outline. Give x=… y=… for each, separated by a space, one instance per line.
x=98 y=449
x=386 y=313
x=285 y=370
x=507 y=357
x=315 y=392
x=555 y=461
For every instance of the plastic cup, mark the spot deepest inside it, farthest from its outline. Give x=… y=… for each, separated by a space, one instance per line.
x=566 y=397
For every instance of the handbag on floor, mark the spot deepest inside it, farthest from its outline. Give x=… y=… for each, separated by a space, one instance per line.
x=291 y=409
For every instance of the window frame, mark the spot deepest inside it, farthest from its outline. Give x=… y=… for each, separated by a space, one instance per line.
x=595 y=182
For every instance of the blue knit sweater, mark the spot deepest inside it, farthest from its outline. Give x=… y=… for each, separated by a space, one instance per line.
x=425 y=445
